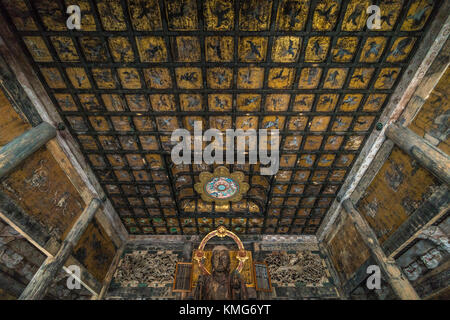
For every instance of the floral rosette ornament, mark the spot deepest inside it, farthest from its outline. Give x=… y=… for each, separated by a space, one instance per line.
x=221 y=185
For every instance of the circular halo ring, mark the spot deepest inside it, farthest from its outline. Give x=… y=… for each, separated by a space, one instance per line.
x=221 y=232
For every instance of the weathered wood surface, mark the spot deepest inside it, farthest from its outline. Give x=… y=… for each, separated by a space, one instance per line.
x=95 y=250
x=398 y=189
x=429 y=48
x=432 y=80
x=346 y=248
x=435 y=284
x=64 y=148
x=431 y=210
x=430 y=121
x=16 y=109
x=12 y=214
x=16 y=151
x=10 y=285
x=109 y=276
x=436 y=206
x=44 y=192
x=15 y=93
x=426 y=154
x=36 y=234
x=38 y=285
x=395 y=277
x=372 y=171
x=12 y=124
x=86 y=278
x=341 y=293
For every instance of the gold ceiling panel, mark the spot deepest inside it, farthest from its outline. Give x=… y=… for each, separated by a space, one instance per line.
x=137 y=70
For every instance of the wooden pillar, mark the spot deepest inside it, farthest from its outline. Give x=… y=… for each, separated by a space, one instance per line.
x=13 y=153
x=433 y=159
x=38 y=285
x=110 y=274
x=401 y=286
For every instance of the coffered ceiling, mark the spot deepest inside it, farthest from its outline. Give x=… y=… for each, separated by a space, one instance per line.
x=137 y=70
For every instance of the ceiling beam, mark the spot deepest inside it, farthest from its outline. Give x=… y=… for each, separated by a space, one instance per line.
x=429 y=82
x=430 y=157
x=39 y=284
x=110 y=274
x=35 y=233
x=16 y=151
x=399 y=283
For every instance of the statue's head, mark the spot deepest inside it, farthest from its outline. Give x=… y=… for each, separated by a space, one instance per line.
x=220 y=259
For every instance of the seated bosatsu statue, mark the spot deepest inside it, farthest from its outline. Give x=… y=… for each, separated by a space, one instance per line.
x=220 y=285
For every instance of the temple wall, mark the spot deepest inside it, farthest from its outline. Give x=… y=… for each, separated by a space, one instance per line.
x=41 y=188
x=305 y=276
x=399 y=188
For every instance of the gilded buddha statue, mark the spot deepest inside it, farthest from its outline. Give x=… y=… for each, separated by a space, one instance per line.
x=220 y=284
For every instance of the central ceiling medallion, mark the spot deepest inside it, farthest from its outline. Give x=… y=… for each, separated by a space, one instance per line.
x=221 y=185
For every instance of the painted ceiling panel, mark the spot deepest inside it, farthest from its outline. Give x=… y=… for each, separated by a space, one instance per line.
x=137 y=70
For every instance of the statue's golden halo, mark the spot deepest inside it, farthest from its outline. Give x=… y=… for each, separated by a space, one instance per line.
x=221 y=231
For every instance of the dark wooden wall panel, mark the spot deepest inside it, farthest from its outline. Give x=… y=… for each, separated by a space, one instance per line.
x=11 y=124
x=38 y=185
x=43 y=190
x=398 y=189
x=19 y=261
x=347 y=250
x=95 y=250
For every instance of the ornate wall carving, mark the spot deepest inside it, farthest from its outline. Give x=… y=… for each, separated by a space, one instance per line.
x=286 y=269
x=141 y=267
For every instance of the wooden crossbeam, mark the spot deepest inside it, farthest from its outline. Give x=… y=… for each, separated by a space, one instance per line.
x=399 y=283
x=41 y=280
x=432 y=209
x=31 y=230
x=20 y=148
x=430 y=157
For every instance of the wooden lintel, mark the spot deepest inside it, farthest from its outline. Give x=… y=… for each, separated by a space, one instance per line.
x=430 y=157
x=399 y=283
x=20 y=148
x=41 y=280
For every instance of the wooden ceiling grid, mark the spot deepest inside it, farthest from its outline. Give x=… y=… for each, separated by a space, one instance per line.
x=137 y=70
